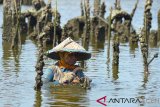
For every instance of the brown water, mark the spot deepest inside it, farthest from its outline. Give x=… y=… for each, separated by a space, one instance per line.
x=17 y=70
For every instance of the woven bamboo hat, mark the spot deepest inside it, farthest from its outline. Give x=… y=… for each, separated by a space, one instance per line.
x=68 y=45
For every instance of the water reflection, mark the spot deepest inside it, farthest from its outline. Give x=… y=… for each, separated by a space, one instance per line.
x=108 y=70
x=154 y=44
x=133 y=47
x=145 y=78
x=71 y=96
x=38 y=99
x=6 y=50
x=97 y=45
x=115 y=71
x=11 y=56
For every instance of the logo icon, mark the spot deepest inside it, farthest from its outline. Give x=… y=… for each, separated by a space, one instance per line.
x=102 y=100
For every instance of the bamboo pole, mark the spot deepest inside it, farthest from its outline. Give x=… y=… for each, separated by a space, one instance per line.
x=134 y=9
x=155 y=56
x=85 y=33
x=55 y=24
x=82 y=8
x=130 y=21
x=102 y=19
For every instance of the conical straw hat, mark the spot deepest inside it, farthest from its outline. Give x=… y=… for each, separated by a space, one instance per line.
x=68 y=45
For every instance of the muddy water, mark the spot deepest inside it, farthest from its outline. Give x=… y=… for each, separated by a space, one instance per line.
x=17 y=70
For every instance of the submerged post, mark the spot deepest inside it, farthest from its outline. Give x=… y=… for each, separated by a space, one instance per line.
x=146 y=31
x=116 y=51
x=147 y=21
x=97 y=7
x=115 y=62
x=11 y=22
x=82 y=8
x=109 y=35
x=7 y=20
x=102 y=9
x=40 y=64
x=159 y=25
x=87 y=24
x=55 y=25
x=16 y=38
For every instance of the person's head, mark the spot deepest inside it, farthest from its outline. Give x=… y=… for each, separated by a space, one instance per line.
x=68 y=58
x=36 y=4
x=69 y=52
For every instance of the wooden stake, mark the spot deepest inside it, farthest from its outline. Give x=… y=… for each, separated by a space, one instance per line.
x=55 y=24
x=109 y=36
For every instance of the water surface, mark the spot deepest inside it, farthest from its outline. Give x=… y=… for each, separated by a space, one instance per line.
x=17 y=69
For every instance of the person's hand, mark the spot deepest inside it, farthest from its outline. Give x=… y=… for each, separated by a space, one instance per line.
x=68 y=77
x=76 y=80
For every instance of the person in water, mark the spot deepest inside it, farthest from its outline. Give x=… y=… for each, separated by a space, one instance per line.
x=65 y=71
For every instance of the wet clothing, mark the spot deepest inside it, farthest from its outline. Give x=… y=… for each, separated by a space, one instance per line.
x=59 y=75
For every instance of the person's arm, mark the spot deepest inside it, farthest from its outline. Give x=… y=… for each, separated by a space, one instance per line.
x=50 y=74
x=79 y=72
